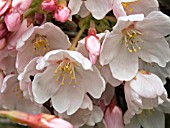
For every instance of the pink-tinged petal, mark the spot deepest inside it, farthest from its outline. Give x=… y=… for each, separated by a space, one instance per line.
x=12 y=97
x=44 y=87
x=13 y=38
x=23 y=58
x=62 y=13
x=12 y=20
x=156 y=21
x=21 y=6
x=68 y=98
x=113 y=118
x=96 y=116
x=4 y=5
x=59 y=123
x=125 y=65
x=74 y=6
x=93 y=46
x=97 y=9
x=98 y=86
x=155 y=50
x=147 y=85
x=154 y=119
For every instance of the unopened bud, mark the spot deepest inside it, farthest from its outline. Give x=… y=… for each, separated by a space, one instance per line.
x=48 y=5
x=62 y=13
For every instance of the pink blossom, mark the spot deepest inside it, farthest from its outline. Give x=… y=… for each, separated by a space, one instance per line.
x=113 y=117
x=62 y=13
x=48 y=5
x=12 y=20
x=4 y=5
x=21 y=6
x=40 y=18
x=93 y=46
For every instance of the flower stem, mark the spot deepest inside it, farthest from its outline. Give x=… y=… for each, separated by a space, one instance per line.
x=76 y=39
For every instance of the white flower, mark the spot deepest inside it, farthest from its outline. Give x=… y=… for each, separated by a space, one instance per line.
x=145 y=91
x=67 y=78
x=39 y=40
x=132 y=37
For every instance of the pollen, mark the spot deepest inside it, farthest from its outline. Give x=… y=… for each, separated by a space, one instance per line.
x=132 y=39
x=65 y=73
x=40 y=45
x=129 y=6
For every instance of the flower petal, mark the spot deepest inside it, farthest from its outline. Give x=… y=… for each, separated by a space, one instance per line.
x=68 y=98
x=125 y=65
x=97 y=9
x=44 y=87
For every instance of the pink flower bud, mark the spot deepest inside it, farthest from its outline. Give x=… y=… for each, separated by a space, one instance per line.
x=92 y=44
x=62 y=13
x=49 y=5
x=12 y=20
x=2 y=43
x=3 y=30
x=4 y=5
x=21 y=6
x=113 y=117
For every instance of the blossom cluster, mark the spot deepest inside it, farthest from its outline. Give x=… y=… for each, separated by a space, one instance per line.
x=69 y=58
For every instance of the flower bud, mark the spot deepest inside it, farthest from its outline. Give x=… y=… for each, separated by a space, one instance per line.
x=12 y=20
x=4 y=5
x=48 y=5
x=62 y=13
x=92 y=44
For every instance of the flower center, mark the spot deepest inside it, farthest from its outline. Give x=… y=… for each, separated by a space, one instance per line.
x=17 y=91
x=65 y=73
x=40 y=45
x=131 y=39
x=128 y=6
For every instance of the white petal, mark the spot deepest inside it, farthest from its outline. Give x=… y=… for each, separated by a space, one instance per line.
x=125 y=65
x=68 y=98
x=74 y=6
x=97 y=9
x=93 y=82
x=147 y=85
x=112 y=44
x=155 y=50
x=44 y=85
x=155 y=21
